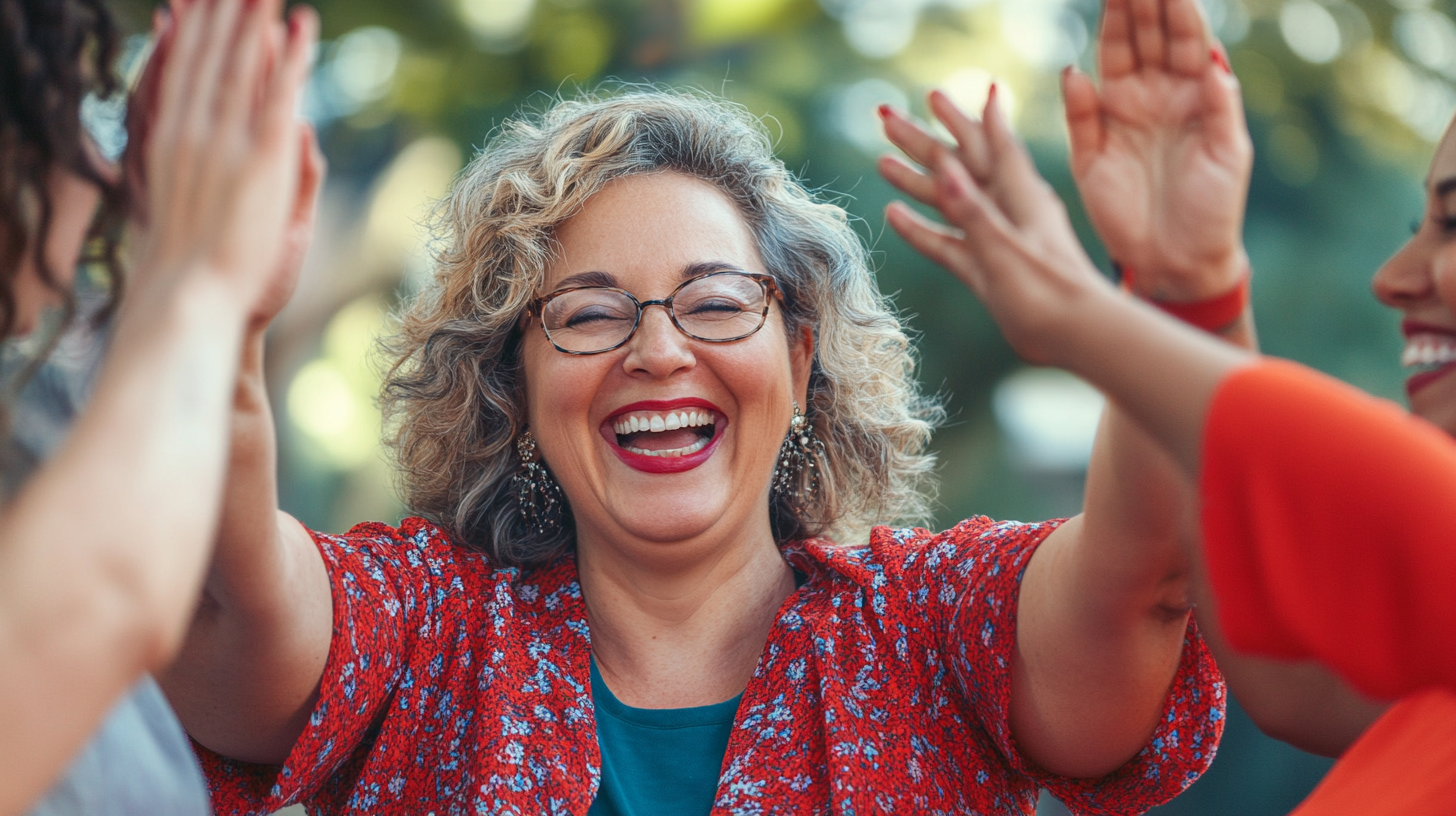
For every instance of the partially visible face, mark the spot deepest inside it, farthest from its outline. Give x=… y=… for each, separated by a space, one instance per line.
x=73 y=206
x=645 y=234
x=1420 y=281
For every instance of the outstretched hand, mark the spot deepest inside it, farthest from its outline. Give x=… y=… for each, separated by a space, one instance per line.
x=1007 y=235
x=1161 y=154
x=218 y=165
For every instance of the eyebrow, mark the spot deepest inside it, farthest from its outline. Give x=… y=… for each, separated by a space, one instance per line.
x=1444 y=186
x=692 y=270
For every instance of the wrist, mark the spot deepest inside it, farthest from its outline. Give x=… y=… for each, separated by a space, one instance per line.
x=1183 y=283
x=1214 y=310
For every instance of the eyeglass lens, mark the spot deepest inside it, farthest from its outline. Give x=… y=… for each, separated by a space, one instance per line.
x=718 y=307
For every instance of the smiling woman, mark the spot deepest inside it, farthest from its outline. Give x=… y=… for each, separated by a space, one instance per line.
x=504 y=220
x=650 y=411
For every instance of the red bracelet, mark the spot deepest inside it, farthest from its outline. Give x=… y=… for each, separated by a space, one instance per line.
x=1212 y=315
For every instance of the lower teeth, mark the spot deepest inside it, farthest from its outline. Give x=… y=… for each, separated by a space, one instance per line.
x=675 y=452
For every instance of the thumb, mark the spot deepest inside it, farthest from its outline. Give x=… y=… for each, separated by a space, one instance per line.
x=1223 y=107
x=1085 y=128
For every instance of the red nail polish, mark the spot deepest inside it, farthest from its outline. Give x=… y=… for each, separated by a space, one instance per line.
x=1221 y=60
x=884 y=111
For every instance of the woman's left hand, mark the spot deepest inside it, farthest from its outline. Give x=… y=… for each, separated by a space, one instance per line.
x=1008 y=237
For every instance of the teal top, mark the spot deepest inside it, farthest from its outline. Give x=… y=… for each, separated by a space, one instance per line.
x=658 y=760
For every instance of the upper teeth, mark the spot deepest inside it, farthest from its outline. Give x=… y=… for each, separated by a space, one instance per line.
x=1428 y=349
x=658 y=422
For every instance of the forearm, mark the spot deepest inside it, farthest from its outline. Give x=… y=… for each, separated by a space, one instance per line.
x=1162 y=373
x=103 y=551
x=246 y=677
x=1301 y=703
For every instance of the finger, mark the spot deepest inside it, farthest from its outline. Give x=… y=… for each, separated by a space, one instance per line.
x=1224 y=124
x=311 y=171
x=1116 y=55
x=968 y=133
x=286 y=85
x=174 y=95
x=243 y=73
x=935 y=241
x=1014 y=176
x=914 y=140
x=1188 y=37
x=989 y=240
x=1085 y=129
x=1148 y=35
x=215 y=51
x=907 y=179
x=141 y=115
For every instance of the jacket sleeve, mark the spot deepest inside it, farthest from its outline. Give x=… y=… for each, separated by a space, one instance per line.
x=1329 y=528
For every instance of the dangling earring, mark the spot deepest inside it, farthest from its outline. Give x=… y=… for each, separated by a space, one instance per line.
x=537 y=492
x=796 y=477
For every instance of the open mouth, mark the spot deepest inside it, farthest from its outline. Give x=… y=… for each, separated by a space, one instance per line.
x=668 y=434
x=665 y=436
x=1428 y=357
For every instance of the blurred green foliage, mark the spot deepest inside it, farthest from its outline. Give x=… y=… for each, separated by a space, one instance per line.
x=1345 y=99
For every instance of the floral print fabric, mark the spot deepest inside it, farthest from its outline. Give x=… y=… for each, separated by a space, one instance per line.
x=454 y=686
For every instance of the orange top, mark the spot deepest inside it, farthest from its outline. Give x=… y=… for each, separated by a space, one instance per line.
x=1329 y=525
x=1404 y=765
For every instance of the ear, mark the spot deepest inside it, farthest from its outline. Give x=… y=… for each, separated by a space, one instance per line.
x=801 y=361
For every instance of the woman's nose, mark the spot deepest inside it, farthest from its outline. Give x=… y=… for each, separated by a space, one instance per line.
x=1407 y=278
x=658 y=348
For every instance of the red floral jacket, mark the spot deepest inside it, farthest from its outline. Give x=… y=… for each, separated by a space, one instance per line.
x=455 y=686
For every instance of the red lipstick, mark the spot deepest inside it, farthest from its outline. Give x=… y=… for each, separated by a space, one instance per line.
x=1418 y=382
x=665 y=464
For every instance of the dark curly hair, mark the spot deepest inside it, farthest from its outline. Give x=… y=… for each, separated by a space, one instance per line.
x=53 y=53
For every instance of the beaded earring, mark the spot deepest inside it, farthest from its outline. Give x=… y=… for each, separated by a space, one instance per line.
x=796 y=476
x=537 y=493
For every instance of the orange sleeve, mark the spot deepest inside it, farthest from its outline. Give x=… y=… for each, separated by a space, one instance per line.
x=1329 y=527
x=1405 y=763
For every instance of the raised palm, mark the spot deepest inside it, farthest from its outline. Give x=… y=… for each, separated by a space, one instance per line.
x=1161 y=153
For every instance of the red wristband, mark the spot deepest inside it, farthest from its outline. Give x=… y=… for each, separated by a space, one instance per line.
x=1211 y=315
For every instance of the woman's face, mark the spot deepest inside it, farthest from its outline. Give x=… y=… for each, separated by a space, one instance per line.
x=73 y=202
x=647 y=234
x=1420 y=281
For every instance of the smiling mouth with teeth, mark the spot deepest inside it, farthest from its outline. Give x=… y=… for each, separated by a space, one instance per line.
x=1428 y=352
x=666 y=434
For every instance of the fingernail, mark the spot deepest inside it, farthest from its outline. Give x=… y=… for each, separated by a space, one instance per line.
x=991 y=94
x=1221 y=60
x=884 y=111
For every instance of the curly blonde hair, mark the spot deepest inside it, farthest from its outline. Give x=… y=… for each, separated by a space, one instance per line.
x=454 y=397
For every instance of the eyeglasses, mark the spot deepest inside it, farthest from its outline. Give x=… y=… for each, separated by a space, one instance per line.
x=719 y=307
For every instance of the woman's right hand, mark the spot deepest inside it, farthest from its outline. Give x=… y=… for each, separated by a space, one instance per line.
x=1007 y=235
x=221 y=147
x=1161 y=153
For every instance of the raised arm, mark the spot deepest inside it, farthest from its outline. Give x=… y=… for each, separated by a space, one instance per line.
x=1162 y=157
x=1103 y=606
x=1009 y=241
x=103 y=551
x=248 y=672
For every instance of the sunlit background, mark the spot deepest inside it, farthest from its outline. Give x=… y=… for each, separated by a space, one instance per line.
x=1345 y=101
